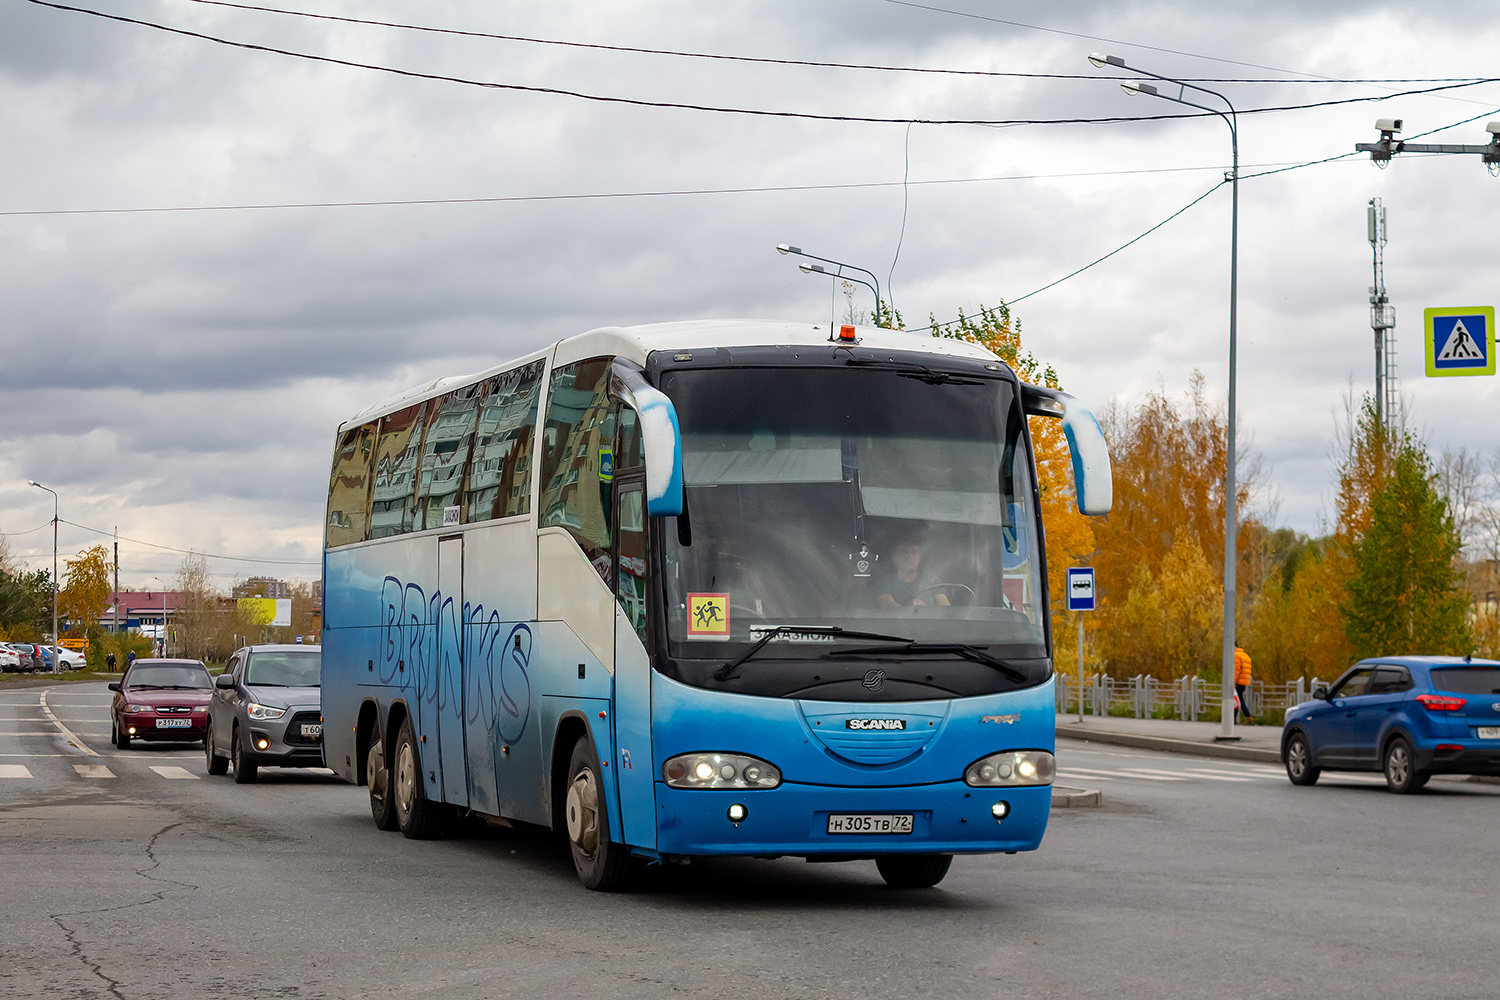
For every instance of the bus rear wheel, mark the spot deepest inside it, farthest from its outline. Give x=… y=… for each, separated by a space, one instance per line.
x=378 y=777
x=418 y=817
x=913 y=871
x=601 y=864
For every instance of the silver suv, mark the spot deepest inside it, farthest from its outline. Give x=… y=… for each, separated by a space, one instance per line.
x=266 y=710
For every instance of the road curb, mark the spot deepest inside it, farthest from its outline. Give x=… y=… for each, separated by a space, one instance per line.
x=1064 y=797
x=1224 y=750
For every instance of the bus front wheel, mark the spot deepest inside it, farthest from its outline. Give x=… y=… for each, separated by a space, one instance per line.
x=601 y=864
x=913 y=871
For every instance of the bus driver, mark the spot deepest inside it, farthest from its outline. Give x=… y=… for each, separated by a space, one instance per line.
x=900 y=588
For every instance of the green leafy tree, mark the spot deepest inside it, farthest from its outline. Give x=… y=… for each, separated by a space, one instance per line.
x=25 y=604
x=1404 y=594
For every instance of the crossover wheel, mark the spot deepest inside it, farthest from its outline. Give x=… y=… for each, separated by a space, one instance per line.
x=601 y=864
x=1299 y=762
x=378 y=778
x=216 y=764
x=245 y=771
x=913 y=871
x=1401 y=774
x=417 y=816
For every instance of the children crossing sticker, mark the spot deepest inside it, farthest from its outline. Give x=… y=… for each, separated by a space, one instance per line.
x=708 y=616
x=1460 y=340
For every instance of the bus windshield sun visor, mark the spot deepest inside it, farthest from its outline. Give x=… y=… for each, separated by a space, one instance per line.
x=661 y=438
x=1092 y=478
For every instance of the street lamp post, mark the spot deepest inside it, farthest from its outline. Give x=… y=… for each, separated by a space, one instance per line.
x=56 y=657
x=1226 y=711
x=873 y=284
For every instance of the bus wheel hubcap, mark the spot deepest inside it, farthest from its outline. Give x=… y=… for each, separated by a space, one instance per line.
x=404 y=779
x=583 y=812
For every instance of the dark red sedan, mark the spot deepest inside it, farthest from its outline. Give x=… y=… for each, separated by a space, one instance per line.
x=161 y=701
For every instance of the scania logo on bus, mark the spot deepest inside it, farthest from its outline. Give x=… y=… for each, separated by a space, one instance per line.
x=874 y=679
x=875 y=724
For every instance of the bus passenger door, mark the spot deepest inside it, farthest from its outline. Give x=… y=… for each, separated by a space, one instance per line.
x=634 y=770
x=449 y=673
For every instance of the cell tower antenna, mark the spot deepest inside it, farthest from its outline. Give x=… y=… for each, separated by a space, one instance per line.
x=1383 y=323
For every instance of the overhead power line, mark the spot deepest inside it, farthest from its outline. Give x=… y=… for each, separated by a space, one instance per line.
x=717 y=109
x=18 y=534
x=608 y=195
x=764 y=60
x=195 y=552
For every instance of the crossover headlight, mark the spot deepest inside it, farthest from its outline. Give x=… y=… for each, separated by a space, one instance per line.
x=719 y=770
x=258 y=711
x=1015 y=767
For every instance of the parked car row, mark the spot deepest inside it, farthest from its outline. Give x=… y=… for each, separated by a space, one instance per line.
x=24 y=657
x=1408 y=716
x=264 y=710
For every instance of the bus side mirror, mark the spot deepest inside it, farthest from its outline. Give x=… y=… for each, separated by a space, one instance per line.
x=1093 y=480
x=661 y=439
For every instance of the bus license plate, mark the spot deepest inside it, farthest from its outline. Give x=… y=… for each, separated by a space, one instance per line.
x=314 y=729
x=900 y=823
x=1488 y=732
x=174 y=723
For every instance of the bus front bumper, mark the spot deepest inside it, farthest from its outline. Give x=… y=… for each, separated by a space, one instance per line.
x=948 y=818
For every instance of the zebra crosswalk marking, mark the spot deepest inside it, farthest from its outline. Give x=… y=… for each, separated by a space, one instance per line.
x=169 y=771
x=15 y=771
x=93 y=771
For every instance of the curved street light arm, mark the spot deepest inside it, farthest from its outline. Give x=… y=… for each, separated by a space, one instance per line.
x=873 y=284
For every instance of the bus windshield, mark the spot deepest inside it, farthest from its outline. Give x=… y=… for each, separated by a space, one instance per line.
x=891 y=500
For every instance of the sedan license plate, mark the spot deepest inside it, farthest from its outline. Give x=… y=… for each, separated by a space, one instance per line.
x=896 y=823
x=1488 y=732
x=174 y=723
x=312 y=729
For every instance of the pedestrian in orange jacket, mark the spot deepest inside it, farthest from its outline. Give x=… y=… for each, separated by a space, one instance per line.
x=1242 y=680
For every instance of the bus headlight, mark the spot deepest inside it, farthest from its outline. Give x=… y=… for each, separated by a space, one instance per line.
x=1015 y=767
x=719 y=770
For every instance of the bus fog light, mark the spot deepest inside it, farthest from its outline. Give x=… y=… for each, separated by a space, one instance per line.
x=719 y=770
x=1014 y=767
x=737 y=813
x=1000 y=810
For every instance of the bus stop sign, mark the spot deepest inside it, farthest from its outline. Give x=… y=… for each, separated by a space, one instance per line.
x=1460 y=340
x=1081 y=588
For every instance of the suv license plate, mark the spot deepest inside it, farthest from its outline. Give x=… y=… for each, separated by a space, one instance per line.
x=174 y=723
x=898 y=823
x=312 y=729
x=1488 y=732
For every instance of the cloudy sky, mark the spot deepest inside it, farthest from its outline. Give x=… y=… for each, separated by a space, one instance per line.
x=179 y=374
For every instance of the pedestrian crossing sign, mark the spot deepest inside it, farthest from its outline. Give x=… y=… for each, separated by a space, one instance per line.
x=1460 y=340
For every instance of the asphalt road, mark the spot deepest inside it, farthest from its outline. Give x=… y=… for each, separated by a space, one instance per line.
x=135 y=875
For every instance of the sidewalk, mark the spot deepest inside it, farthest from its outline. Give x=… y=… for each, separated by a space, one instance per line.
x=1256 y=743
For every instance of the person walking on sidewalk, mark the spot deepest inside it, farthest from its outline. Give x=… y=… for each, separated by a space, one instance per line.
x=1242 y=680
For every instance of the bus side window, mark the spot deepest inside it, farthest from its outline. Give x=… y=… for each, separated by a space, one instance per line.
x=445 y=454
x=630 y=583
x=578 y=460
x=396 y=460
x=349 y=487
x=499 y=479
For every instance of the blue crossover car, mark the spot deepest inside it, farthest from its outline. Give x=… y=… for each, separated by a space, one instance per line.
x=1409 y=716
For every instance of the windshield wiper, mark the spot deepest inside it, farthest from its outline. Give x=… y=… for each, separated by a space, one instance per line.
x=727 y=670
x=148 y=687
x=264 y=684
x=912 y=369
x=976 y=653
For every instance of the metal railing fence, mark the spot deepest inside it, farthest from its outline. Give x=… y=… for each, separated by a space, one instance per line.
x=1191 y=698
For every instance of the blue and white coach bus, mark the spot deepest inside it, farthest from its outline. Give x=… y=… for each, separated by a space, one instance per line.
x=704 y=588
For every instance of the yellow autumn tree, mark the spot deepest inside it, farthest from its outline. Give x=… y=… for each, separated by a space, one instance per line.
x=86 y=594
x=1070 y=535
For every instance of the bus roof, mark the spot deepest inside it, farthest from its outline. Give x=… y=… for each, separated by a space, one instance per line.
x=637 y=342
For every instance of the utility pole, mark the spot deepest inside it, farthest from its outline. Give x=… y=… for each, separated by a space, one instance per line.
x=1383 y=322
x=117 y=583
